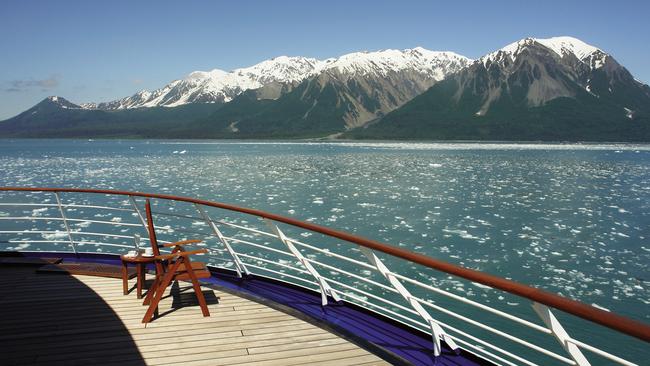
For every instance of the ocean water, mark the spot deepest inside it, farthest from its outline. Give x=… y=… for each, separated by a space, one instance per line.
x=571 y=219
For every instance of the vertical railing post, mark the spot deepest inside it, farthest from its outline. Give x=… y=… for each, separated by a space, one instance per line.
x=560 y=334
x=436 y=330
x=239 y=265
x=137 y=210
x=65 y=222
x=136 y=242
x=325 y=288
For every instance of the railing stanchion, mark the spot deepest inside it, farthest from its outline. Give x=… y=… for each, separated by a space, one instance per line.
x=436 y=330
x=560 y=334
x=65 y=222
x=136 y=242
x=325 y=288
x=137 y=210
x=239 y=265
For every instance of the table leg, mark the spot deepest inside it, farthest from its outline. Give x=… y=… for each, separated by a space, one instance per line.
x=140 y=270
x=125 y=279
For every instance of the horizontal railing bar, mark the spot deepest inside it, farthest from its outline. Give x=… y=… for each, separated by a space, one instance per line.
x=257 y=245
x=490 y=329
x=76 y=242
x=29 y=204
x=67 y=241
x=482 y=350
x=245 y=228
x=490 y=345
x=47 y=218
x=195 y=218
x=99 y=207
x=176 y=230
x=65 y=206
x=388 y=288
x=102 y=234
x=252 y=257
x=371 y=295
x=103 y=244
x=335 y=255
x=33 y=232
x=73 y=233
x=411 y=322
x=285 y=275
x=220 y=258
x=215 y=250
x=39 y=241
x=115 y=223
x=601 y=352
x=474 y=303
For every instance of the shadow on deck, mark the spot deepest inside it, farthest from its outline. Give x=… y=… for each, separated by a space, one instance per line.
x=57 y=319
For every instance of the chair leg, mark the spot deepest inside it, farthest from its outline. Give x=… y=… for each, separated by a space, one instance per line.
x=151 y=291
x=160 y=290
x=197 y=288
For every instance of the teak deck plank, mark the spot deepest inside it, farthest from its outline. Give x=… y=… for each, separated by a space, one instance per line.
x=75 y=319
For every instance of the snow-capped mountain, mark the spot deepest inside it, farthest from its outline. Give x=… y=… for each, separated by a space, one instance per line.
x=54 y=101
x=217 y=86
x=561 y=46
x=555 y=88
x=341 y=94
x=549 y=69
x=278 y=75
x=434 y=64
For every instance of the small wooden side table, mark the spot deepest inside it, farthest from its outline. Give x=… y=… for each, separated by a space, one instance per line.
x=140 y=262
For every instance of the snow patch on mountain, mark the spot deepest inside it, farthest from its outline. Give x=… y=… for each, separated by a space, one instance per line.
x=61 y=102
x=568 y=45
x=434 y=63
x=561 y=46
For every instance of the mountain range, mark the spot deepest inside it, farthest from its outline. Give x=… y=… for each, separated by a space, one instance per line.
x=558 y=89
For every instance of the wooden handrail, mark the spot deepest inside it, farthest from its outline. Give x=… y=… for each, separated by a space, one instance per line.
x=613 y=321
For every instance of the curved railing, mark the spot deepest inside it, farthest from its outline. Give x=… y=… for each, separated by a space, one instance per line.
x=339 y=265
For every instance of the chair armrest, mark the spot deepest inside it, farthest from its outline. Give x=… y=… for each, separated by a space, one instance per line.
x=180 y=254
x=184 y=242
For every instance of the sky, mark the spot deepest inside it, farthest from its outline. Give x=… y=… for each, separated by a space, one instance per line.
x=99 y=51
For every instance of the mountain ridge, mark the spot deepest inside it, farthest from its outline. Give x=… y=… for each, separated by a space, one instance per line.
x=553 y=89
x=219 y=86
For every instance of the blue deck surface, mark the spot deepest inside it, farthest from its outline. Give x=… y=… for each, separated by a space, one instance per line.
x=350 y=321
x=410 y=345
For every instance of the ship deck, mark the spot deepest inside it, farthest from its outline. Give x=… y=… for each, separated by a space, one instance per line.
x=57 y=319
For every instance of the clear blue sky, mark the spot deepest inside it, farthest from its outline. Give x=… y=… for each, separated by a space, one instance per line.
x=98 y=51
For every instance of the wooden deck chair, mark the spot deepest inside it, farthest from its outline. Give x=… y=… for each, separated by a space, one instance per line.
x=173 y=267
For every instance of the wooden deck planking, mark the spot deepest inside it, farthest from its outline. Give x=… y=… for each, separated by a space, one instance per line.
x=59 y=319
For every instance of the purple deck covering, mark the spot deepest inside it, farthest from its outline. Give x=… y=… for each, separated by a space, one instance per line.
x=373 y=331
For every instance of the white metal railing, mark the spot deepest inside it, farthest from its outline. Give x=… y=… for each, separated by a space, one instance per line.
x=368 y=283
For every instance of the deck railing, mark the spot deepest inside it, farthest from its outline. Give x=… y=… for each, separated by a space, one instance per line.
x=339 y=265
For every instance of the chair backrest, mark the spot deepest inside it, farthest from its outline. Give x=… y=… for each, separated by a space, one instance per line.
x=152 y=236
